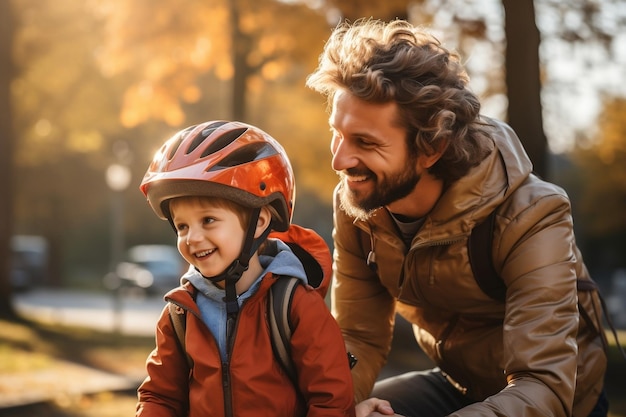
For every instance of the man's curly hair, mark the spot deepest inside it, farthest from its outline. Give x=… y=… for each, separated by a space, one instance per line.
x=385 y=62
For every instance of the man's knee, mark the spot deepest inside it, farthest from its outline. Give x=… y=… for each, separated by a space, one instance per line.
x=426 y=392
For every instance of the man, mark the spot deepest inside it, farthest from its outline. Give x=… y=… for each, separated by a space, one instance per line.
x=419 y=168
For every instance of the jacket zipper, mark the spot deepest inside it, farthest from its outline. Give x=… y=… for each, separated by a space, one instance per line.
x=437 y=243
x=231 y=324
x=372 y=255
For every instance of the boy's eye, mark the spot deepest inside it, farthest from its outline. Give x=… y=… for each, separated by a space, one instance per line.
x=208 y=220
x=181 y=227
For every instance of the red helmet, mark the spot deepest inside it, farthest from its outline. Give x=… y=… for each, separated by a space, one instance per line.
x=231 y=160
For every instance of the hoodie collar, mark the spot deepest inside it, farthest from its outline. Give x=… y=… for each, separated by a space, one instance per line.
x=279 y=261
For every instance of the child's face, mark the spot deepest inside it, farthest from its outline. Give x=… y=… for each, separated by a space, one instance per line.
x=209 y=237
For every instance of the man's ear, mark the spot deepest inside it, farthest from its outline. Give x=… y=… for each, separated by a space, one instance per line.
x=427 y=161
x=265 y=218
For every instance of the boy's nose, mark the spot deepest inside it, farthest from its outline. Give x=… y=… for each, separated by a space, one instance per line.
x=193 y=235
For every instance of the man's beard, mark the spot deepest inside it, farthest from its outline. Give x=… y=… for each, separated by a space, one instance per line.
x=391 y=188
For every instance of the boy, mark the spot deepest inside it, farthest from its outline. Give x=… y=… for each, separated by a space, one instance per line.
x=223 y=186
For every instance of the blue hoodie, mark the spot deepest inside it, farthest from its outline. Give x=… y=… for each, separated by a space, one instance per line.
x=210 y=297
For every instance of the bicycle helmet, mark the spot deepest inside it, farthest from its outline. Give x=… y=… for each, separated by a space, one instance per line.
x=231 y=160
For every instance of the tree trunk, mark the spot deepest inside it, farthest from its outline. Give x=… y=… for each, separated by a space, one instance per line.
x=523 y=80
x=6 y=159
x=240 y=50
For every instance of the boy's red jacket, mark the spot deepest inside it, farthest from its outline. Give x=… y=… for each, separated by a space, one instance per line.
x=258 y=385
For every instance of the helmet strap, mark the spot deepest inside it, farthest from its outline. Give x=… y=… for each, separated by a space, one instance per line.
x=234 y=272
x=232 y=275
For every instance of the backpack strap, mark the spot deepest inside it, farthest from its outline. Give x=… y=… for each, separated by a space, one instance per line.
x=179 y=321
x=481 y=260
x=279 y=306
x=589 y=285
x=279 y=301
x=278 y=309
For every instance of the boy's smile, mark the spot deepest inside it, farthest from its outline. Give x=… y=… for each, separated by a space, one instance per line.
x=209 y=238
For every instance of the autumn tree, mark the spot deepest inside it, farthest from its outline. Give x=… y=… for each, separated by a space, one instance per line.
x=66 y=115
x=69 y=95
x=523 y=83
x=95 y=73
x=243 y=59
x=580 y=48
x=236 y=40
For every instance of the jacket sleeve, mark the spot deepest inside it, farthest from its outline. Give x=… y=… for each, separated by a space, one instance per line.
x=363 y=307
x=319 y=356
x=541 y=318
x=164 y=392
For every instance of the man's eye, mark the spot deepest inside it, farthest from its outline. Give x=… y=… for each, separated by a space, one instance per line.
x=365 y=143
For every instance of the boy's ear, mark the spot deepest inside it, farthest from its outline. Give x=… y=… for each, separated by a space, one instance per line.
x=265 y=218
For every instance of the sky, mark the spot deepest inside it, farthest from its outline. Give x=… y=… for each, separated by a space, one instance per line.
x=575 y=77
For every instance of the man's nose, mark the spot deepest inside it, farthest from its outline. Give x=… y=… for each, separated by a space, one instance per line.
x=343 y=156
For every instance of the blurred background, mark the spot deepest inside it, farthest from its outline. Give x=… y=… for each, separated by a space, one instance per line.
x=89 y=90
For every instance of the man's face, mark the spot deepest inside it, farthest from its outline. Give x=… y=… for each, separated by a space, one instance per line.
x=370 y=155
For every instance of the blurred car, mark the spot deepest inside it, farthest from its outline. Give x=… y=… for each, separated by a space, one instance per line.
x=29 y=261
x=153 y=269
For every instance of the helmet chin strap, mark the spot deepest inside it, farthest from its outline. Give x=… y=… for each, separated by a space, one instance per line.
x=233 y=273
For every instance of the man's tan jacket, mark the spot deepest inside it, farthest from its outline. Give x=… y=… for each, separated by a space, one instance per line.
x=532 y=355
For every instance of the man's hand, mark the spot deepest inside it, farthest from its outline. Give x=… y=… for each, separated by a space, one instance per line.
x=373 y=407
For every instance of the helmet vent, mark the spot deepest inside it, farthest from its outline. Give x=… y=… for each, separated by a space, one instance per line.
x=249 y=153
x=223 y=141
x=200 y=137
x=175 y=147
x=179 y=139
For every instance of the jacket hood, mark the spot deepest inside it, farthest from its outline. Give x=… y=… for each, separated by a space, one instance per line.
x=473 y=197
x=313 y=253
